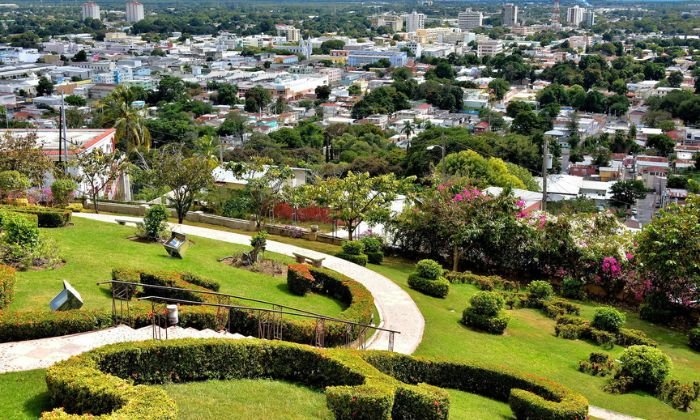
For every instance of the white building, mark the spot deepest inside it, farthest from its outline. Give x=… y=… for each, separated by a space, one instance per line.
x=90 y=10
x=134 y=11
x=510 y=14
x=589 y=18
x=414 y=21
x=574 y=15
x=489 y=47
x=470 y=19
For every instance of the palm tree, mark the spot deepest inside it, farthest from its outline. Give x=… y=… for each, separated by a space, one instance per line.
x=208 y=147
x=129 y=121
x=408 y=130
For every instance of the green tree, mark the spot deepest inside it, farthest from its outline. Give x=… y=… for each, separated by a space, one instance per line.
x=235 y=125
x=226 y=94
x=662 y=143
x=331 y=44
x=98 y=170
x=79 y=57
x=128 y=120
x=12 y=182
x=675 y=79
x=499 y=88
x=626 y=193
x=257 y=99
x=45 y=87
x=360 y=197
x=323 y=92
x=62 y=190
x=75 y=100
x=264 y=184
x=184 y=176
x=24 y=154
x=668 y=251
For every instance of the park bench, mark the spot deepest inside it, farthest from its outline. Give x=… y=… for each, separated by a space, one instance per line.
x=301 y=259
x=123 y=222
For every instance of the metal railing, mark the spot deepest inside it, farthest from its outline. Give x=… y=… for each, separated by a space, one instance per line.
x=270 y=320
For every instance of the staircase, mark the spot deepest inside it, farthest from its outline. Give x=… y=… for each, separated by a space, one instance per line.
x=44 y=352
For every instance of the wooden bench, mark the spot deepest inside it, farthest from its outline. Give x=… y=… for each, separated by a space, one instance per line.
x=123 y=222
x=301 y=259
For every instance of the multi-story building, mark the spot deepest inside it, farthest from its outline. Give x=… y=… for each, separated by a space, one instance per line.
x=510 y=14
x=393 y=22
x=574 y=15
x=134 y=11
x=361 y=57
x=489 y=47
x=589 y=18
x=414 y=21
x=90 y=10
x=470 y=19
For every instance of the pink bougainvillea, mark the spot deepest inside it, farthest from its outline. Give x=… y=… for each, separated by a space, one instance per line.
x=611 y=267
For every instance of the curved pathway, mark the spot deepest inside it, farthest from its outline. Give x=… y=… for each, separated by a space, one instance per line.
x=396 y=308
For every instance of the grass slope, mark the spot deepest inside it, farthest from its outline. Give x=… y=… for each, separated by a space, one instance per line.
x=91 y=249
x=23 y=395
x=529 y=345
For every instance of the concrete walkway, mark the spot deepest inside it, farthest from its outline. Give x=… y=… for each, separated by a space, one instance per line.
x=44 y=352
x=396 y=308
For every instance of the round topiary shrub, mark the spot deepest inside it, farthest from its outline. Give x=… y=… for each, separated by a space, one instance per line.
x=647 y=367
x=429 y=269
x=540 y=290
x=155 y=223
x=487 y=303
x=694 y=338
x=353 y=247
x=608 y=319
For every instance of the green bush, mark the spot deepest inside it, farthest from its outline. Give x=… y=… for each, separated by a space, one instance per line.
x=299 y=279
x=694 y=339
x=572 y=288
x=423 y=402
x=570 y=331
x=353 y=247
x=19 y=231
x=12 y=182
x=201 y=281
x=155 y=223
x=647 y=366
x=598 y=364
x=540 y=290
x=485 y=313
x=30 y=325
x=554 y=308
x=429 y=269
x=7 y=285
x=375 y=258
x=62 y=191
x=628 y=337
x=679 y=395
x=529 y=397
x=487 y=303
x=361 y=259
x=46 y=217
x=439 y=287
x=608 y=319
x=600 y=337
x=125 y=291
x=372 y=244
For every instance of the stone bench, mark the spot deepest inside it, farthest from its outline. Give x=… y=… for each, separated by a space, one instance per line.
x=301 y=259
x=123 y=222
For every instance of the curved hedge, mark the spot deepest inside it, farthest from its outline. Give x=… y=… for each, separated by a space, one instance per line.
x=109 y=381
x=529 y=397
x=359 y=301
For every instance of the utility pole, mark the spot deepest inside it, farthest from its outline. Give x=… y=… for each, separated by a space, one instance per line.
x=545 y=152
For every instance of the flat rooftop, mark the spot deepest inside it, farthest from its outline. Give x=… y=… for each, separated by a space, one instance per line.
x=48 y=138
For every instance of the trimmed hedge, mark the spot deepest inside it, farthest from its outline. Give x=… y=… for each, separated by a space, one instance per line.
x=46 y=217
x=361 y=259
x=299 y=279
x=201 y=281
x=439 y=287
x=482 y=282
x=100 y=382
x=360 y=307
x=486 y=313
x=372 y=385
x=30 y=325
x=7 y=285
x=375 y=257
x=529 y=397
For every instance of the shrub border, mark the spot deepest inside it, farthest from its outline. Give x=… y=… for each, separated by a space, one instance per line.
x=358 y=385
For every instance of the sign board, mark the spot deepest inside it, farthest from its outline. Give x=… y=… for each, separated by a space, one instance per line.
x=67 y=299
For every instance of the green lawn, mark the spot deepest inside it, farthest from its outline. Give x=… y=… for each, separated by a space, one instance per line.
x=529 y=345
x=91 y=249
x=23 y=395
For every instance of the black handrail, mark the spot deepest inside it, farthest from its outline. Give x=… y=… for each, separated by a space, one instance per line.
x=301 y=312
x=250 y=308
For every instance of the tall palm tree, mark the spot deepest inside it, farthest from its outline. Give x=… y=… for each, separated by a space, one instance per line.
x=208 y=147
x=408 y=129
x=128 y=120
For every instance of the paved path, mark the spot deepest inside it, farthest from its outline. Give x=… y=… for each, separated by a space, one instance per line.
x=44 y=352
x=396 y=308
